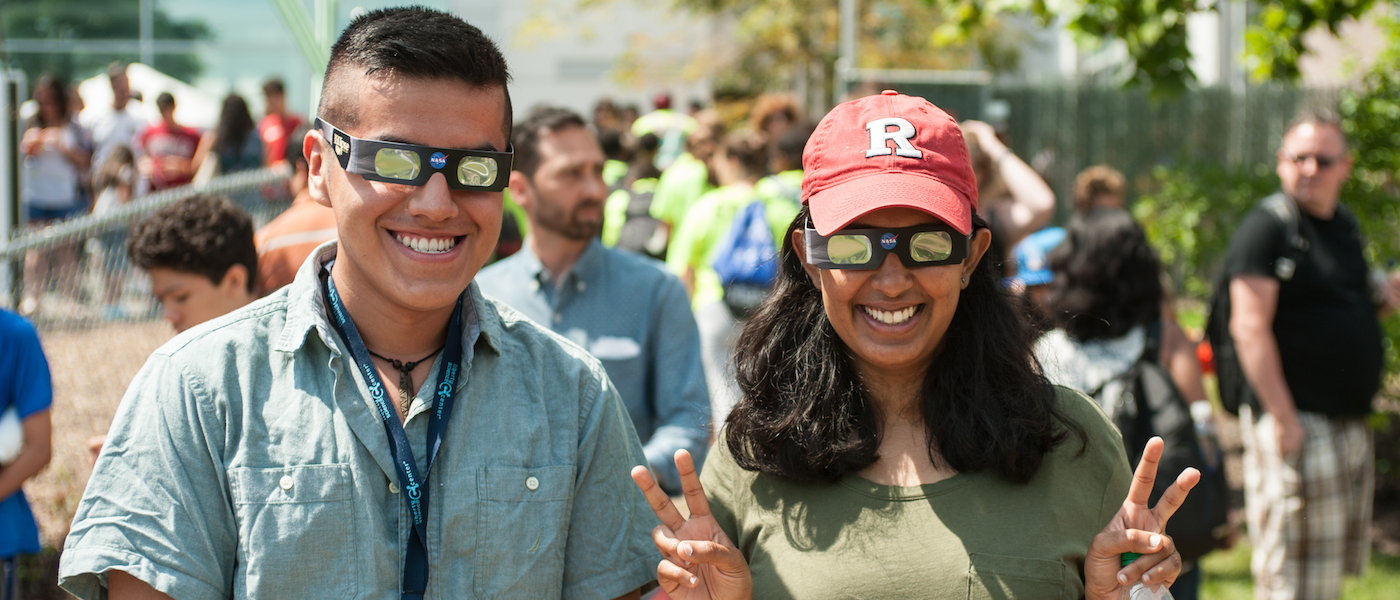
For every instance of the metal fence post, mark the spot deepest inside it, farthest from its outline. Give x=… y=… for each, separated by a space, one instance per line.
x=12 y=87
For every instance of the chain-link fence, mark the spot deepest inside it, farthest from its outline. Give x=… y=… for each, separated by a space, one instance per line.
x=76 y=274
x=1061 y=129
x=98 y=322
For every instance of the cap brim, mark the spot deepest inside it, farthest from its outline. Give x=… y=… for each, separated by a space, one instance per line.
x=837 y=206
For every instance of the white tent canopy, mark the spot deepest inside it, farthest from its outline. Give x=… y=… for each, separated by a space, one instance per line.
x=193 y=107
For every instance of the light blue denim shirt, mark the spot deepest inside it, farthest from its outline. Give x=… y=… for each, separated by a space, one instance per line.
x=246 y=461
x=633 y=315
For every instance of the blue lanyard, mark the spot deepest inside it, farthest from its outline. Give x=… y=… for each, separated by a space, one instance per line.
x=413 y=481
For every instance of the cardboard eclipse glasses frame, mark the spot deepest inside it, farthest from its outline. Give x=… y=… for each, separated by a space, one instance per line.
x=864 y=249
x=411 y=164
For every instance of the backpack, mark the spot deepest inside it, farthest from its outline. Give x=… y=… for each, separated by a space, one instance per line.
x=1229 y=375
x=1143 y=402
x=641 y=232
x=747 y=260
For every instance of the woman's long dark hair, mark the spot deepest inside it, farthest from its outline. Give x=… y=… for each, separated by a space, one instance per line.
x=805 y=416
x=59 y=90
x=235 y=123
x=1107 y=277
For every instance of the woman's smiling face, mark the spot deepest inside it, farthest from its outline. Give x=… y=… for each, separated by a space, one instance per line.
x=893 y=318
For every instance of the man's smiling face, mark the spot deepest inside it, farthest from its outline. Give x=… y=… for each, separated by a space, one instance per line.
x=409 y=247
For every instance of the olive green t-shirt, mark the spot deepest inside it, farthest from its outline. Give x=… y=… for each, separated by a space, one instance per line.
x=972 y=536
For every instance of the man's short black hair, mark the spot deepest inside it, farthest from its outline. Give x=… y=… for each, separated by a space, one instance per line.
x=204 y=235
x=273 y=85
x=525 y=136
x=413 y=42
x=165 y=101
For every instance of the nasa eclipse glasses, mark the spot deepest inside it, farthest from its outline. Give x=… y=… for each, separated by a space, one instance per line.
x=918 y=246
x=411 y=164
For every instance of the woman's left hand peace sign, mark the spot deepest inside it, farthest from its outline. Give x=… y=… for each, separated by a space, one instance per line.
x=1137 y=528
x=701 y=563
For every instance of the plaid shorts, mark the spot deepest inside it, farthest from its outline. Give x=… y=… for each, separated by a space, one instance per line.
x=1309 y=514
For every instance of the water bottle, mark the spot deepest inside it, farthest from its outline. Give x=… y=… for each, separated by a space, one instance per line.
x=1138 y=590
x=1202 y=415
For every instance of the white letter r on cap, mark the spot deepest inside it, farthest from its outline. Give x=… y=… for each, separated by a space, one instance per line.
x=880 y=136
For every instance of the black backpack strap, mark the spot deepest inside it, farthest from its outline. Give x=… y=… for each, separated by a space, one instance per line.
x=1285 y=210
x=1152 y=341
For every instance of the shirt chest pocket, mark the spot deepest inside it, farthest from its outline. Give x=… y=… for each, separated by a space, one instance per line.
x=525 y=520
x=992 y=576
x=295 y=530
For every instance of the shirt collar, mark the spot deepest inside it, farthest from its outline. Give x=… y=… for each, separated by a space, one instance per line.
x=585 y=269
x=306 y=310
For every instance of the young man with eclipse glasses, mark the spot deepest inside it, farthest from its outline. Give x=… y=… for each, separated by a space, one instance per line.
x=377 y=427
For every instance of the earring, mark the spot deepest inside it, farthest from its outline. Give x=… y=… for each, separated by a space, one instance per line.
x=964 y=280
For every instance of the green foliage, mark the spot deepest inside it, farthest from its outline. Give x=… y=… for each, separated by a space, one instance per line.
x=780 y=38
x=1194 y=207
x=1154 y=31
x=93 y=20
x=1274 y=43
x=1191 y=213
x=1371 y=119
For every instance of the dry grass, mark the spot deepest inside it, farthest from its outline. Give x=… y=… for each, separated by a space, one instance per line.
x=91 y=371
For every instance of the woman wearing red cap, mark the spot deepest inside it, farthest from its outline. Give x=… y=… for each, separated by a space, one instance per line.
x=895 y=439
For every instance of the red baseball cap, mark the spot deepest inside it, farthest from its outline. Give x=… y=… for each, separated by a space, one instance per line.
x=883 y=151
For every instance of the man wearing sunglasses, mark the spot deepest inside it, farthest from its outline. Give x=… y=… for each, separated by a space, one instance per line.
x=377 y=427
x=1304 y=323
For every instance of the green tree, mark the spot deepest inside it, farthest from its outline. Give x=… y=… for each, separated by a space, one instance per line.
x=780 y=37
x=1154 y=31
x=72 y=20
x=782 y=41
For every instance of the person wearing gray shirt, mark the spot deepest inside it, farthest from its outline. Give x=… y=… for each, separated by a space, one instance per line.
x=378 y=428
x=625 y=309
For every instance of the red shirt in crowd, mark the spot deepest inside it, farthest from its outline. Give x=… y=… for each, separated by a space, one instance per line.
x=164 y=144
x=274 y=130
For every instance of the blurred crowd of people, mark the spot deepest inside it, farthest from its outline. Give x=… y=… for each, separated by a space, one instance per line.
x=80 y=159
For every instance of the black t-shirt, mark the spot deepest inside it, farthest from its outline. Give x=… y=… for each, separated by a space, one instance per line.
x=1329 y=338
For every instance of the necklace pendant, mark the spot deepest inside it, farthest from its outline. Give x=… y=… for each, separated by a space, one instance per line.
x=406 y=392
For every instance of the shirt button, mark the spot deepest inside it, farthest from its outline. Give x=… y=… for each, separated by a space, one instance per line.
x=393 y=488
x=558 y=317
x=581 y=286
x=532 y=483
x=285 y=482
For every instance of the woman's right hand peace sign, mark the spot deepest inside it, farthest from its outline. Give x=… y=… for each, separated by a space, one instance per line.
x=701 y=563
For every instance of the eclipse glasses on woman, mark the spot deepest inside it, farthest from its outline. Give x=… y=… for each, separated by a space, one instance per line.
x=918 y=246
x=411 y=164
